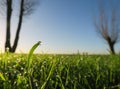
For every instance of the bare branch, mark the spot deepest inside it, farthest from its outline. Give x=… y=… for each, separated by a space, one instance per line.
x=29 y=6
x=107 y=25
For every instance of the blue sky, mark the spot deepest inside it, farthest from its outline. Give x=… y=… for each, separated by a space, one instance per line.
x=63 y=26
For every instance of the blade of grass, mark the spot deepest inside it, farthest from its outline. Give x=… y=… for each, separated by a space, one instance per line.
x=49 y=75
x=61 y=82
x=29 y=59
x=2 y=77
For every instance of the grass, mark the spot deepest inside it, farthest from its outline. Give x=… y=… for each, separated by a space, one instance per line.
x=43 y=71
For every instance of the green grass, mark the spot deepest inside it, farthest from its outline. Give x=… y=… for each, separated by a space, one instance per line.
x=43 y=71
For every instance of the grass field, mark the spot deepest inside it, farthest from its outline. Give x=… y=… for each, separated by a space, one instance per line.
x=59 y=71
x=45 y=71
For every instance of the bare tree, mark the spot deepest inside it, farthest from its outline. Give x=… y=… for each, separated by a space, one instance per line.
x=26 y=8
x=107 y=25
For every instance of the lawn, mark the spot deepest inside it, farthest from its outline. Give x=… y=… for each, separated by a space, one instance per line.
x=46 y=71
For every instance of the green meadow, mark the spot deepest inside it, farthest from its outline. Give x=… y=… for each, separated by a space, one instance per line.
x=60 y=71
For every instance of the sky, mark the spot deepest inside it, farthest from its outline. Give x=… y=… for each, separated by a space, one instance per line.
x=63 y=26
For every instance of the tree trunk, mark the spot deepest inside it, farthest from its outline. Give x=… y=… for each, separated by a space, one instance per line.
x=8 y=21
x=13 y=49
x=111 y=46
